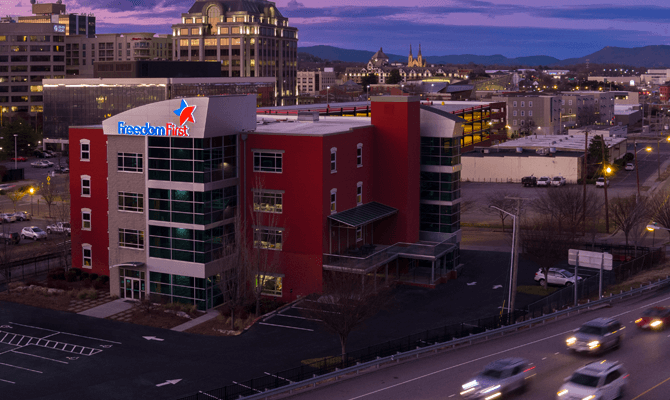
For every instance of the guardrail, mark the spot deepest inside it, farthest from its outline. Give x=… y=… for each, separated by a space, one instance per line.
x=277 y=384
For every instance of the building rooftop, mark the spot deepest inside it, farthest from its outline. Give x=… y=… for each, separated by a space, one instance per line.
x=573 y=143
x=289 y=125
x=505 y=152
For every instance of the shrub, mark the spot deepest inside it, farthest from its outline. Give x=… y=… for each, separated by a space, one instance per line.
x=70 y=276
x=98 y=284
x=93 y=276
x=84 y=275
x=76 y=271
x=58 y=285
x=102 y=279
x=147 y=306
x=87 y=294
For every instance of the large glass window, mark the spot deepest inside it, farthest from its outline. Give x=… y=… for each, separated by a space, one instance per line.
x=86 y=219
x=188 y=207
x=133 y=202
x=131 y=238
x=268 y=238
x=193 y=160
x=440 y=186
x=268 y=161
x=440 y=151
x=87 y=256
x=191 y=245
x=268 y=201
x=129 y=162
x=271 y=284
x=440 y=218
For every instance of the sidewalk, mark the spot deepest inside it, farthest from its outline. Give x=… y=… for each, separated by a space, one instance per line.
x=108 y=309
x=211 y=314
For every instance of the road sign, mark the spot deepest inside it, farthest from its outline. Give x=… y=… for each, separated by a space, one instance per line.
x=590 y=259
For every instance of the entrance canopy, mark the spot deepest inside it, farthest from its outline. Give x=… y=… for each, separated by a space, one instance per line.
x=364 y=214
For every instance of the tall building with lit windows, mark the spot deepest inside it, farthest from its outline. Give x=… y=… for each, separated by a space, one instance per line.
x=250 y=38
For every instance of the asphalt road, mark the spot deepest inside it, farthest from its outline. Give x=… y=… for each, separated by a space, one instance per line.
x=644 y=354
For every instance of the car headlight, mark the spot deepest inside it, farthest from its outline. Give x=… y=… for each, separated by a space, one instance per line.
x=589 y=397
x=493 y=396
x=637 y=321
x=656 y=323
x=470 y=385
x=562 y=392
x=490 y=389
x=571 y=341
x=594 y=344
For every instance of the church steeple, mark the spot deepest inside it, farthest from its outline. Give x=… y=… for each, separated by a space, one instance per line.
x=418 y=55
x=410 y=59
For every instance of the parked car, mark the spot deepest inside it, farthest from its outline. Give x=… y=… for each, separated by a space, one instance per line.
x=596 y=336
x=529 y=181
x=33 y=232
x=19 y=159
x=499 y=378
x=544 y=181
x=558 y=181
x=557 y=276
x=602 y=380
x=59 y=227
x=630 y=167
x=7 y=217
x=23 y=216
x=600 y=182
x=40 y=164
x=10 y=237
x=62 y=170
x=6 y=187
x=654 y=318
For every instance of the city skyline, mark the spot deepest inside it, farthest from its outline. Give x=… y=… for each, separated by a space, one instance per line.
x=513 y=28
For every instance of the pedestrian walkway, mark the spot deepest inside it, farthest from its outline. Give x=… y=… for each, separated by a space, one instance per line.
x=211 y=314
x=108 y=309
x=79 y=305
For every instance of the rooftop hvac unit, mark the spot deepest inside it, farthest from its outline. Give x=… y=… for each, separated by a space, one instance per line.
x=552 y=149
x=519 y=149
x=308 y=116
x=486 y=151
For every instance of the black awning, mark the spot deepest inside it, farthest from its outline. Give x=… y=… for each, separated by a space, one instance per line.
x=363 y=214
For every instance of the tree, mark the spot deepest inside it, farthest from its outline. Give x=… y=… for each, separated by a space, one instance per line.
x=628 y=214
x=595 y=153
x=658 y=206
x=528 y=128
x=545 y=243
x=61 y=213
x=567 y=207
x=49 y=193
x=15 y=196
x=369 y=79
x=26 y=138
x=394 y=77
x=348 y=300
x=501 y=199
x=6 y=250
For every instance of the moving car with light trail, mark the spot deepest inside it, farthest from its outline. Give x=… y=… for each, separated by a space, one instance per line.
x=596 y=335
x=656 y=318
x=499 y=378
x=600 y=380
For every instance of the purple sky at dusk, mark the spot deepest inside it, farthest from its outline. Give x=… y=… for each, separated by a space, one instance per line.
x=509 y=27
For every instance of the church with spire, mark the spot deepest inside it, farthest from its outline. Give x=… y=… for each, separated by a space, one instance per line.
x=415 y=62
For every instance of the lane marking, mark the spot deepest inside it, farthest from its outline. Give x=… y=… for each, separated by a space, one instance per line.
x=27 y=369
x=650 y=389
x=285 y=326
x=295 y=316
x=2 y=380
x=55 y=333
x=33 y=355
x=544 y=358
x=493 y=354
x=64 y=333
x=36 y=327
x=277 y=376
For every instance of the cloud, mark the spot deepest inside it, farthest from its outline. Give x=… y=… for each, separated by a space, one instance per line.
x=293 y=4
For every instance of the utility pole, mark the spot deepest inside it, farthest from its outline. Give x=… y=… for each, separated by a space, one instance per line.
x=515 y=244
x=637 y=174
x=586 y=153
x=607 y=209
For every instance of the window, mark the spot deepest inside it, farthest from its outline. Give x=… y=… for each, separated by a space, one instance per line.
x=86 y=186
x=87 y=257
x=514 y=104
x=129 y=162
x=84 y=150
x=514 y=122
x=530 y=104
x=523 y=113
x=359 y=234
x=563 y=101
x=133 y=202
x=333 y=201
x=86 y=219
x=272 y=285
x=333 y=160
x=359 y=193
x=131 y=238
x=570 y=102
x=530 y=113
x=514 y=113
x=359 y=155
x=268 y=238
x=268 y=161
x=522 y=122
x=269 y=201
x=612 y=376
x=523 y=104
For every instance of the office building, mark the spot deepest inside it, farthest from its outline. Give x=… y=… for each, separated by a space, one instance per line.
x=155 y=191
x=310 y=83
x=249 y=38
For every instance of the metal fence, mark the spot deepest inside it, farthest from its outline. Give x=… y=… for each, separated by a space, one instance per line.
x=30 y=267
x=553 y=302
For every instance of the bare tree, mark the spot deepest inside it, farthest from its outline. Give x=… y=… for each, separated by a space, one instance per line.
x=501 y=199
x=628 y=214
x=15 y=196
x=543 y=242
x=6 y=250
x=348 y=300
x=50 y=193
x=59 y=211
x=567 y=206
x=658 y=206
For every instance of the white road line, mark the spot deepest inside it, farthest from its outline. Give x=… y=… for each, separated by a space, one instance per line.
x=544 y=358
x=284 y=326
x=302 y=308
x=277 y=376
x=36 y=327
x=27 y=369
x=64 y=333
x=246 y=387
x=33 y=355
x=295 y=316
x=10 y=350
x=2 y=380
x=490 y=355
x=55 y=333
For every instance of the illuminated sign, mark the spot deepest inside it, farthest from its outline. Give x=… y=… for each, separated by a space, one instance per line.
x=185 y=114
x=59 y=28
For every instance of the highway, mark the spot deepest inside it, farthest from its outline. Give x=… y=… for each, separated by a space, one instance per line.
x=646 y=356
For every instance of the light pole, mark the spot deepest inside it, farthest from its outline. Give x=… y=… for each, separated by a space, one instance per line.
x=658 y=158
x=510 y=306
x=327 y=90
x=15 y=159
x=367 y=96
x=652 y=228
x=32 y=192
x=637 y=174
x=606 y=170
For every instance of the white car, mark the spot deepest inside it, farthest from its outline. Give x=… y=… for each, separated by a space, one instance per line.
x=602 y=380
x=33 y=232
x=558 y=181
x=630 y=167
x=41 y=164
x=544 y=181
x=557 y=276
x=600 y=182
x=23 y=216
x=7 y=218
x=499 y=379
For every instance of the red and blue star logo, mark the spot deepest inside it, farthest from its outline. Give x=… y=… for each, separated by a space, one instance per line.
x=185 y=113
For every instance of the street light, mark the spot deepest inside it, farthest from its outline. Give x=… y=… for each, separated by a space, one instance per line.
x=510 y=306
x=327 y=90
x=367 y=96
x=653 y=227
x=32 y=192
x=15 y=159
x=606 y=170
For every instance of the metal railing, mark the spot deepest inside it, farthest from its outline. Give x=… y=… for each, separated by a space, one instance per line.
x=30 y=267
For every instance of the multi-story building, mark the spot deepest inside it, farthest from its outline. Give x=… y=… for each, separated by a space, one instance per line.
x=32 y=48
x=353 y=195
x=83 y=102
x=249 y=38
x=532 y=114
x=656 y=76
x=311 y=83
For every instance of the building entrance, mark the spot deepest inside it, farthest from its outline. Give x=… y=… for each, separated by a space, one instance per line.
x=133 y=288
